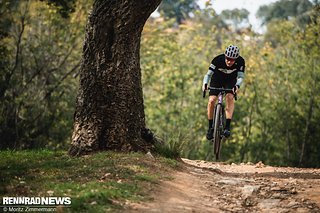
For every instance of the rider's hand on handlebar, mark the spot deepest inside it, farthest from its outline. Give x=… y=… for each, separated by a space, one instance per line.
x=204 y=87
x=235 y=89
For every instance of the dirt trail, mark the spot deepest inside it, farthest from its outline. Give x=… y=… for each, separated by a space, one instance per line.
x=216 y=187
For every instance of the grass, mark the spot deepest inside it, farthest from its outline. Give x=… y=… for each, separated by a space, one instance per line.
x=96 y=183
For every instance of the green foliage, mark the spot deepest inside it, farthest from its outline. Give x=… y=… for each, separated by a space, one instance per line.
x=178 y=9
x=276 y=114
x=170 y=148
x=290 y=131
x=284 y=10
x=236 y=17
x=5 y=7
x=65 y=7
x=38 y=84
x=173 y=64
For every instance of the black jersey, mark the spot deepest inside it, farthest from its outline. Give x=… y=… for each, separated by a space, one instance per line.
x=224 y=76
x=219 y=66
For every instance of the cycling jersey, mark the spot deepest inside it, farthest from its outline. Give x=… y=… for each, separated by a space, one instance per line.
x=223 y=76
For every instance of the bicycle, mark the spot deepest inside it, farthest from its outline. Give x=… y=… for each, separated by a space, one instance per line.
x=219 y=119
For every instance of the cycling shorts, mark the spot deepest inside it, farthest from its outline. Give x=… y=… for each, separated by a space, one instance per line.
x=222 y=80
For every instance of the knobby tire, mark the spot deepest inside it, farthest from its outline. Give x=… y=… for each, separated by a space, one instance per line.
x=217 y=132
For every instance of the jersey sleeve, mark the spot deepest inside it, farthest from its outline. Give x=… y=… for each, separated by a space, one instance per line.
x=211 y=70
x=241 y=66
x=213 y=64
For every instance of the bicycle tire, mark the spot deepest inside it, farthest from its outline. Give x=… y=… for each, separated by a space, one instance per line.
x=217 y=131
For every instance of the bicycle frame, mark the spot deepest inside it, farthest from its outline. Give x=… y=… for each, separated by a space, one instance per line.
x=220 y=98
x=219 y=119
x=222 y=93
x=222 y=115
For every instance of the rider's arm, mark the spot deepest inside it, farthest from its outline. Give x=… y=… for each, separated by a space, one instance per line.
x=240 y=78
x=241 y=68
x=209 y=74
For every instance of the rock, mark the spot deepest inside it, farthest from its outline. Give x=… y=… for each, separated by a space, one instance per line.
x=268 y=204
x=50 y=192
x=105 y=176
x=249 y=201
x=293 y=191
x=293 y=204
x=248 y=190
x=149 y=155
x=260 y=165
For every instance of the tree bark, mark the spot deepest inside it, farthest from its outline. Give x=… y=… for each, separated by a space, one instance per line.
x=109 y=111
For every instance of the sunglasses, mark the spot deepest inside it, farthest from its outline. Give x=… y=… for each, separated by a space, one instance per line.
x=230 y=59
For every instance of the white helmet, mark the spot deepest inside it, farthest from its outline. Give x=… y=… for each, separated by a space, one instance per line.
x=232 y=51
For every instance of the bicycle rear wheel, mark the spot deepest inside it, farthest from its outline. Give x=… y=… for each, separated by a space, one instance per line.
x=217 y=131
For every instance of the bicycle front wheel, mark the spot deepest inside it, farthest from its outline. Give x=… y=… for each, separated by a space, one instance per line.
x=217 y=131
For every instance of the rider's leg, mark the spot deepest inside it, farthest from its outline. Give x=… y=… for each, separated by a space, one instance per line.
x=229 y=109
x=211 y=103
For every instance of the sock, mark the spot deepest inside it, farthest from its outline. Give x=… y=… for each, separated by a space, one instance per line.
x=228 y=121
x=210 y=123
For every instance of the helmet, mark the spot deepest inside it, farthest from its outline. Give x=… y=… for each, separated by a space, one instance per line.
x=232 y=51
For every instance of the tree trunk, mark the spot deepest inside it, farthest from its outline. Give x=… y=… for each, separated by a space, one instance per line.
x=109 y=111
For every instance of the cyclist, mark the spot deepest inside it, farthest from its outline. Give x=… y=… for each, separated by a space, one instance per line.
x=227 y=71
